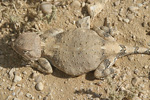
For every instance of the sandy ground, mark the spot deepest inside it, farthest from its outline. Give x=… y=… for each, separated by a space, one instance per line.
x=18 y=81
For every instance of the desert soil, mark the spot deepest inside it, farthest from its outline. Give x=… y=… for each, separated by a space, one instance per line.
x=18 y=81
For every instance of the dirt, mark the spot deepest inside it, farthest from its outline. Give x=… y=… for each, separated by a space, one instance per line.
x=18 y=80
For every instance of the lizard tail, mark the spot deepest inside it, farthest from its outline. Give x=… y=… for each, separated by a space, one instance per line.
x=128 y=50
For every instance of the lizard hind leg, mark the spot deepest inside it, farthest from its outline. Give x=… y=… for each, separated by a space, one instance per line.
x=104 y=69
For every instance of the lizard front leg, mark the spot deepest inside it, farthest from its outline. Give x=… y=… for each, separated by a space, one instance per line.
x=104 y=69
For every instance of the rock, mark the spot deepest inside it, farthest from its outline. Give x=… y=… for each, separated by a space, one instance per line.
x=46 y=7
x=130 y=16
x=139 y=4
x=117 y=3
x=16 y=99
x=19 y=85
x=29 y=95
x=134 y=81
x=126 y=20
x=11 y=73
x=76 y=4
x=24 y=72
x=17 y=78
x=148 y=24
x=94 y=8
x=133 y=9
x=83 y=4
x=12 y=88
x=39 y=86
x=84 y=22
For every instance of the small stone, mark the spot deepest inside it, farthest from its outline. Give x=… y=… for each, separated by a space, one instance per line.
x=46 y=7
x=117 y=3
x=143 y=24
x=133 y=9
x=76 y=4
x=139 y=5
x=84 y=22
x=148 y=24
x=16 y=99
x=130 y=16
x=146 y=66
x=121 y=11
x=24 y=72
x=83 y=4
x=39 y=86
x=13 y=93
x=29 y=95
x=94 y=8
x=134 y=81
x=39 y=97
x=17 y=78
x=126 y=20
x=146 y=7
x=19 y=85
x=12 y=88
x=11 y=73
x=120 y=18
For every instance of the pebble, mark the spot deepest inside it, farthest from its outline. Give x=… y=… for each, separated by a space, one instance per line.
x=120 y=18
x=16 y=99
x=134 y=81
x=146 y=66
x=46 y=7
x=121 y=11
x=130 y=16
x=148 y=24
x=19 y=85
x=12 y=88
x=83 y=4
x=84 y=22
x=11 y=73
x=146 y=7
x=94 y=8
x=24 y=72
x=126 y=20
x=29 y=95
x=139 y=5
x=39 y=86
x=17 y=78
x=76 y=4
x=117 y=3
x=133 y=9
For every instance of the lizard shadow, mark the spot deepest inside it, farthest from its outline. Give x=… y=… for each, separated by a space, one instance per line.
x=8 y=57
x=89 y=92
x=56 y=72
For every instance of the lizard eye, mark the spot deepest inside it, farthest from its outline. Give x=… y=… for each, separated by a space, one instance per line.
x=25 y=52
